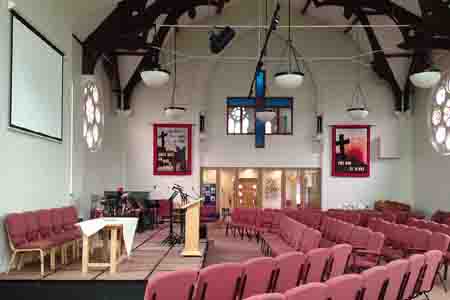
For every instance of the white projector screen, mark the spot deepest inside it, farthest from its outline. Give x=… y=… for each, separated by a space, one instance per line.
x=36 y=96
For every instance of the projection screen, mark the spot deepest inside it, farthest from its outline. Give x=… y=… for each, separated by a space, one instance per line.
x=36 y=96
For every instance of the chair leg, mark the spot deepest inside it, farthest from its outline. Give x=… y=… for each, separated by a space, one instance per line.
x=42 y=262
x=11 y=261
x=444 y=285
x=53 y=259
x=21 y=261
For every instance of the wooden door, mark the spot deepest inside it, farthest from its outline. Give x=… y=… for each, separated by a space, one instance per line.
x=247 y=192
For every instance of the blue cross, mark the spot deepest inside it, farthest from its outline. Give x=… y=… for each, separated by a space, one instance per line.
x=260 y=102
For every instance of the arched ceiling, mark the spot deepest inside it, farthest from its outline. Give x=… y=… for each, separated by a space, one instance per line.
x=105 y=26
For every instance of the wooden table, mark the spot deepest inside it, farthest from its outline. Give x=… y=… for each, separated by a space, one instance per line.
x=114 y=252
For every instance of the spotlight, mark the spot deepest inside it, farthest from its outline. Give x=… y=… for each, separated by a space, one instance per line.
x=218 y=41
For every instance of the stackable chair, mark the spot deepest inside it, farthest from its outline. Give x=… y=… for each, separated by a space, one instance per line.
x=258 y=276
x=311 y=240
x=433 y=261
x=375 y=282
x=367 y=258
x=345 y=287
x=313 y=291
x=415 y=271
x=290 y=267
x=339 y=258
x=397 y=272
x=173 y=285
x=219 y=282
x=359 y=237
x=316 y=265
x=24 y=238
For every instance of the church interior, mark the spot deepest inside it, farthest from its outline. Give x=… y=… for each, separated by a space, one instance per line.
x=225 y=149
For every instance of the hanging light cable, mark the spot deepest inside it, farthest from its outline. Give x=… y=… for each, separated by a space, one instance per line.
x=358 y=110
x=174 y=112
x=292 y=78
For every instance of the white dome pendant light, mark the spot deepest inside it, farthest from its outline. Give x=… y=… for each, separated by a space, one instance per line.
x=266 y=115
x=358 y=111
x=174 y=112
x=428 y=75
x=293 y=77
x=155 y=76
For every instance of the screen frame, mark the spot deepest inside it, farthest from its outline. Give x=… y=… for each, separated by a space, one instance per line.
x=59 y=139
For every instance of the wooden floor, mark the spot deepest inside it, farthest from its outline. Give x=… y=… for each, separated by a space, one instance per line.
x=148 y=257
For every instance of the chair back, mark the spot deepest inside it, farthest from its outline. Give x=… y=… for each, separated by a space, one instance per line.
x=433 y=260
x=173 y=285
x=316 y=264
x=416 y=265
x=340 y=255
x=375 y=282
x=313 y=291
x=258 y=276
x=345 y=287
x=227 y=288
x=397 y=274
x=273 y=296
x=290 y=268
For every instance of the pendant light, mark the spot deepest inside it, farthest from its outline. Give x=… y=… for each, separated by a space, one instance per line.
x=293 y=77
x=428 y=77
x=155 y=76
x=174 y=112
x=358 y=111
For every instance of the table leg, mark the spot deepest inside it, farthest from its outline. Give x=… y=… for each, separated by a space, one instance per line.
x=85 y=258
x=113 y=254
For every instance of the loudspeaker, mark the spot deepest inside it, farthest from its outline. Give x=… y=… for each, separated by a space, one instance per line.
x=218 y=41
x=202 y=123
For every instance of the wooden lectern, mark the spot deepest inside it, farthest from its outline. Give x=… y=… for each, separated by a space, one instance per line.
x=192 y=235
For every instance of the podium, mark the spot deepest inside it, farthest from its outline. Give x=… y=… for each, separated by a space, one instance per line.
x=192 y=227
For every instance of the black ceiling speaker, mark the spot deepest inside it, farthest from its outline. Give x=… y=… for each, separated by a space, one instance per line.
x=218 y=41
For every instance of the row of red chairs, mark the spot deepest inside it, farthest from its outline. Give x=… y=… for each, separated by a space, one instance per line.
x=442 y=217
x=290 y=236
x=42 y=231
x=279 y=279
x=367 y=244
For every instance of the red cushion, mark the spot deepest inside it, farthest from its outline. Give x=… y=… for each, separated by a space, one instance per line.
x=45 y=223
x=17 y=229
x=32 y=224
x=62 y=237
x=39 y=244
x=57 y=220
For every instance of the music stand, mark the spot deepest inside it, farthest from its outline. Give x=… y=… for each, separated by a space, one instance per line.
x=172 y=238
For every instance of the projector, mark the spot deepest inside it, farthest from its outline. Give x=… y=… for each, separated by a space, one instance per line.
x=218 y=41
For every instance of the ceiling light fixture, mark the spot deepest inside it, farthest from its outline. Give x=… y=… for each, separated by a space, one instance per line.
x=427 y=78
x=174 y=112
x=293 y=77
x=266 y=115
x=155 y=77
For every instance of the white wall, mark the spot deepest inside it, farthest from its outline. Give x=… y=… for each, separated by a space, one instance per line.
x=431 y=184
x=205 y=84
x=35 y=172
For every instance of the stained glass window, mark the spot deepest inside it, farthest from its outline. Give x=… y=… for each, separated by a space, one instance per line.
x=440 y=117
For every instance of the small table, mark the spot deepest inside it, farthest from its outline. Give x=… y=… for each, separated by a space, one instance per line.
x=115 y=249
x=118 y=229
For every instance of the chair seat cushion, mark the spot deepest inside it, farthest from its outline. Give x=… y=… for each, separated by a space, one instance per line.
x=63 y=237
x=280 y=248
x=392 y=253
x=363 y=262
x=38 y=244
x=324 y=243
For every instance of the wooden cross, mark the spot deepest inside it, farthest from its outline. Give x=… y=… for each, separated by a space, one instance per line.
x=341 y=143
x=162 y=136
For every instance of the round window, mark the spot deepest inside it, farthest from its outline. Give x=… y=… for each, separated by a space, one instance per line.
x=439 y=117
x=93 y=112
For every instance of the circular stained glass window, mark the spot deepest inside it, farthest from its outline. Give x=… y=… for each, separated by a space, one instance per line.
x=440 y=117
x=93 y=116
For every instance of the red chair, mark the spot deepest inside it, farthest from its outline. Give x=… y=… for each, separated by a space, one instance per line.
x=210 y=287
x=345 y=287
x=172 y=285
x=433 y=261
x=359 y=237
x=397 y=272
x=24 y=237
x=311 y=240
x=316 y=265
x=289 y=273
x=258 y=276
x=415 y=270
x=367 y=258
x=375 y=282
x=315 y=291
x=339 y=259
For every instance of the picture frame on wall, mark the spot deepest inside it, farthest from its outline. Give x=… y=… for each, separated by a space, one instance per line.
x=172 y=149
x=350 y=150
